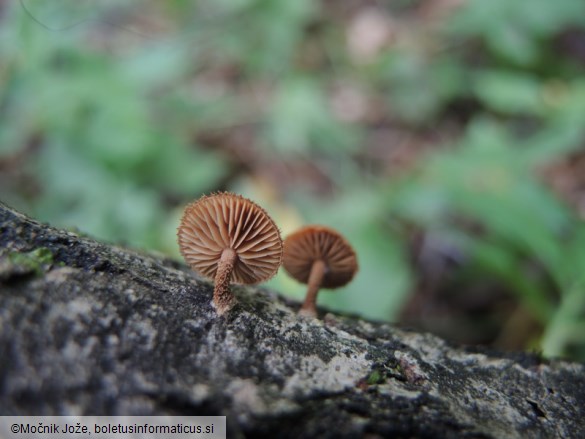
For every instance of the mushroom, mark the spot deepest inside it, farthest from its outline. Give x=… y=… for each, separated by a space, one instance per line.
x=321 y=258
x=229 y=238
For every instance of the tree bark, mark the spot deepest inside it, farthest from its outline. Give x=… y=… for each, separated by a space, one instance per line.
x=92 y=328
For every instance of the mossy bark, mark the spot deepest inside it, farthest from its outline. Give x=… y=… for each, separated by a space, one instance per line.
x=102 y=330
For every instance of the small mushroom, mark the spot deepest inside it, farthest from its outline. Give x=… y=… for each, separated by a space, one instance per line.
x=229 y=238
x=321 y=258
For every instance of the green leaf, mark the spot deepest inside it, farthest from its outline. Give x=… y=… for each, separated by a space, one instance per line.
x=300 y=120
x=510 y=93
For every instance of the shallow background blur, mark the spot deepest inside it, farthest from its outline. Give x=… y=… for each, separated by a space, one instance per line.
x=444 y=138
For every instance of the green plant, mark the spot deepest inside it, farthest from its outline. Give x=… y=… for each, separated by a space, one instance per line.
x=489 y=180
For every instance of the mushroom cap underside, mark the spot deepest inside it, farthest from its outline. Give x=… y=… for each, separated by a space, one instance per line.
x=312 y=243
x=225 y=220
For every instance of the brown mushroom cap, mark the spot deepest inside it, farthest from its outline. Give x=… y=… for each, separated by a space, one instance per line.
x=312 y=243
x=229 y=221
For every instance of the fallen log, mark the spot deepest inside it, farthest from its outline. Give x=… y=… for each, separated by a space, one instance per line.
x=96 y=329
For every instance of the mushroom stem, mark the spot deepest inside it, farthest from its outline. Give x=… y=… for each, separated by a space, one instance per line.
x=309 y=307
x=223 y=299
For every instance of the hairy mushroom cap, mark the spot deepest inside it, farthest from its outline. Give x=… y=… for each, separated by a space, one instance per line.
x=319 y=243
x=229 y=238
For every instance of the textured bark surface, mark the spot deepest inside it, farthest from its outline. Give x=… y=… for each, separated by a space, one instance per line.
x=90 y=328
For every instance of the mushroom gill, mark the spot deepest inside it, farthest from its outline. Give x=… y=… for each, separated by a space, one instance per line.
x=230 y=239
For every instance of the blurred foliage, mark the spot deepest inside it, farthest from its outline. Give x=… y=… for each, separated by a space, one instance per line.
x=449 y=120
